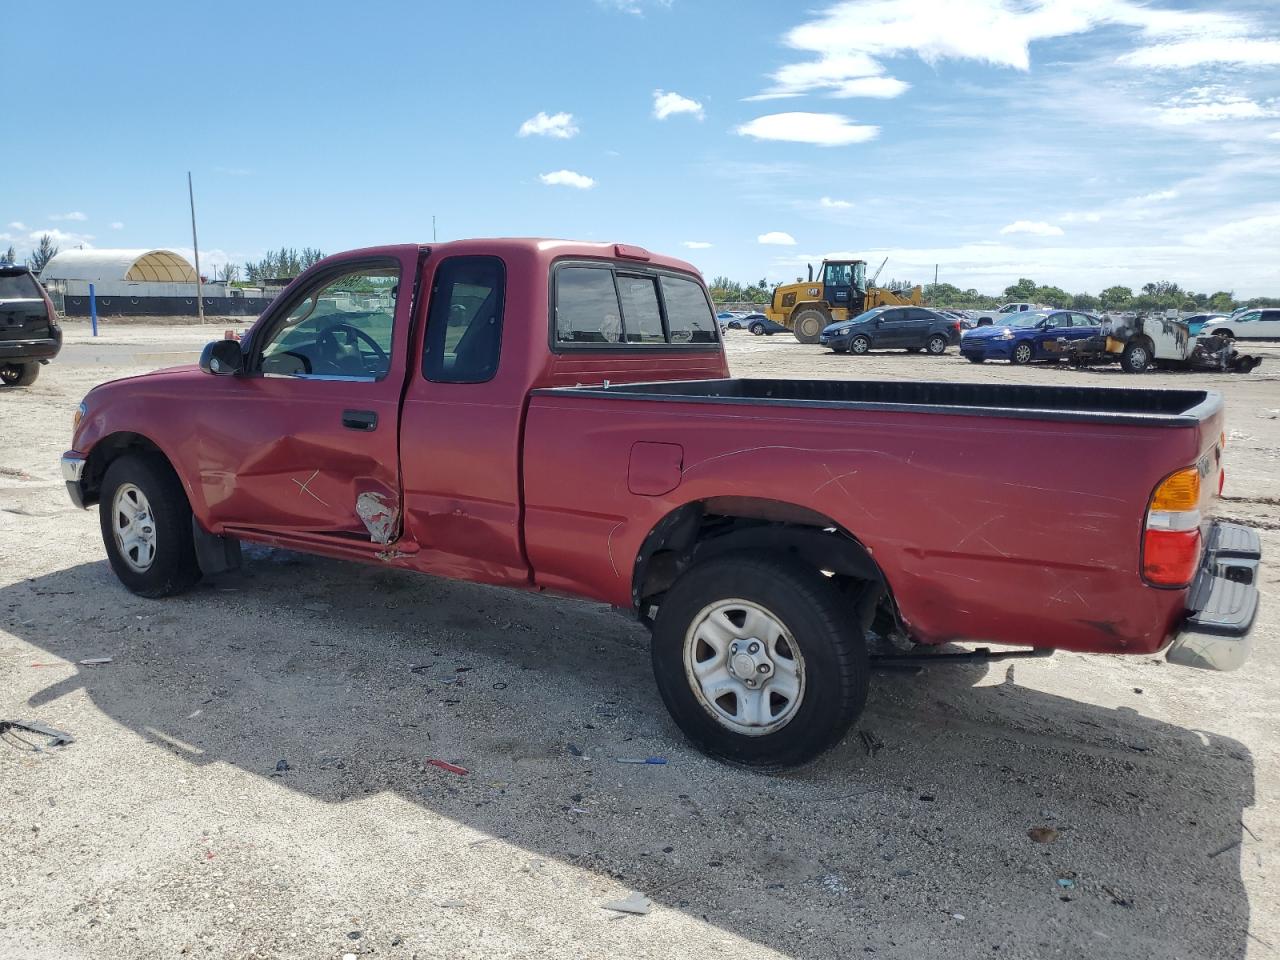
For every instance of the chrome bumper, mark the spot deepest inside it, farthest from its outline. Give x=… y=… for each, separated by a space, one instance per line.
x=72 y=471
x=1223 y=602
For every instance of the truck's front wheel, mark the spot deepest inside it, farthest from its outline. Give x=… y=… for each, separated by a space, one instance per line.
x=759 y=661
x=146 y=526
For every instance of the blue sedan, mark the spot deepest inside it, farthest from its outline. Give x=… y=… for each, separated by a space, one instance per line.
x=1022 y=337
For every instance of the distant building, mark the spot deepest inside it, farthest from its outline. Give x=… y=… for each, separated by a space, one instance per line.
x=142 y=283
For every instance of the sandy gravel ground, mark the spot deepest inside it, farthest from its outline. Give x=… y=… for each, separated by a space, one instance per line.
x=171 y=828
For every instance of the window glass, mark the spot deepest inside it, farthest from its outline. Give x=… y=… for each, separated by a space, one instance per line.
x=688 y=313
x=838 y=274
x=1250 y=316
x=18 y=286
x=464 y=323
x=641 y=315
x=340 y=328
x=587 y=306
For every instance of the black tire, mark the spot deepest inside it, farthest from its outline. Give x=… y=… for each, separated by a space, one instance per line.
x=808 y=324
x=174 y=568
x=972 y=359
x=859 y=344
x=757 y=329
x=1022 y=353
x=1136 y=358
x=818 y=616
x=18 y=374
x=936 y=345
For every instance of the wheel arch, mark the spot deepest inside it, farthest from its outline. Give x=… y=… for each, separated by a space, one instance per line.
x=109 y=449
x=715 y=526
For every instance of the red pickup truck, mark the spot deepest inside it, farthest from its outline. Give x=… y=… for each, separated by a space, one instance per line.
x=558 y=416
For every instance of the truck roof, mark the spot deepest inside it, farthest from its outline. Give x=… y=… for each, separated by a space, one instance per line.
x=546 y=249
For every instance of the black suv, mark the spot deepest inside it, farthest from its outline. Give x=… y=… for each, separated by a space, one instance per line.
x=29 y=331
x=890 y=328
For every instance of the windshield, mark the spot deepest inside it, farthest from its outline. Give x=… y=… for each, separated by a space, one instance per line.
x=869 y=315
x=1023 y=321
x=860 y=275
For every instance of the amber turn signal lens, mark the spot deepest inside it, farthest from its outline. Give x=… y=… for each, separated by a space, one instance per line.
x=1178 y=492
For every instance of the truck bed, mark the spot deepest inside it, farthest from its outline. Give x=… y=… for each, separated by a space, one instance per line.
x=1002 y=513
x=1114 y=405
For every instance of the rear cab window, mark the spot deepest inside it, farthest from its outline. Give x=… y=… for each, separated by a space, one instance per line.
x=608 y=305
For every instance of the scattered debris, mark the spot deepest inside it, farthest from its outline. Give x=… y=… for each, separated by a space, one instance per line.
x=637 y=904
x=576 y=810
x=450 y=767
x=927 y=797
x=653 y=761
x=282 y=766
x=500 y=685
x=355 y=935
x=575 y=750
x=1116 y=898
x=870 y=742
x=451 y=904
x=1137 y=689
x=1066 y=883
x=94 y=661
x=833 y=884
x=56 y=737
x=957 y=916
x=1043 y=834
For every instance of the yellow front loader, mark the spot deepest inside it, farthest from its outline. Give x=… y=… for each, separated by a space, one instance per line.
x=840 y=292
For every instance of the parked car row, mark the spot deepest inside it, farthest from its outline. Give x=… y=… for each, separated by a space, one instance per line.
x=756 y=324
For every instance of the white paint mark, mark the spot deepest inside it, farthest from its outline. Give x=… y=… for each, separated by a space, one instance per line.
x=304 y=488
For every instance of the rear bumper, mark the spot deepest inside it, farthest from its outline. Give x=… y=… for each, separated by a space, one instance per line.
x=1223 y=602
x=44 y=349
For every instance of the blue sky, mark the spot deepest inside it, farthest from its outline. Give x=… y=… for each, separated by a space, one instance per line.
x=1078 y=142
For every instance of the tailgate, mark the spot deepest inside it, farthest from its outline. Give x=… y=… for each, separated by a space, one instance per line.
x=24 y=320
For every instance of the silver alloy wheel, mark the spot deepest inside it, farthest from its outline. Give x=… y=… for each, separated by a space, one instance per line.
x=1138 y=358
x=859 y=345
x=1022 y=352
x=134 y=527
x=937 y=346
x=744 y=666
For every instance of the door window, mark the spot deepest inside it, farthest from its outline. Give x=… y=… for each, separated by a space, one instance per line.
x=464 y=324
x=340 y=327
x=1250 y=316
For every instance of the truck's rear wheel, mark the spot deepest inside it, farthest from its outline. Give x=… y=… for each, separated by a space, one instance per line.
x=808 y=325
x=1136 y=358
x=146 y=526
x=18 y=374
x=760 y=661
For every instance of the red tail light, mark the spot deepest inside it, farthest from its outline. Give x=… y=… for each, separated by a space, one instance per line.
x=1171 y=541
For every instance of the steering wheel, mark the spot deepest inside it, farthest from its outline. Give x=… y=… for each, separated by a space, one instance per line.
x=329 y=342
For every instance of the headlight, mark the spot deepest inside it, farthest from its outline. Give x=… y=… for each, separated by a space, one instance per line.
x=1007 y=335
x=79 y=415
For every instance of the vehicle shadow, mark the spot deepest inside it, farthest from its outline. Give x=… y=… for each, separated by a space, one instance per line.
x=911 y=839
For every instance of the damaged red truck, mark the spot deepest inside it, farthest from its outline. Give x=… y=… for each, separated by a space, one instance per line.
x=558 y=416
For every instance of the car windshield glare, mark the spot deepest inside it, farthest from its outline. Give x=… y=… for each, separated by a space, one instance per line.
x=869 y=315
x=1024 y=321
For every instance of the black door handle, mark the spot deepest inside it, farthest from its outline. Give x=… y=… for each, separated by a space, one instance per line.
x=359 y=419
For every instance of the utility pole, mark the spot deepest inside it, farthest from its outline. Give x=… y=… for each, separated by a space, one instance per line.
x=195 y=247
x=433 y=228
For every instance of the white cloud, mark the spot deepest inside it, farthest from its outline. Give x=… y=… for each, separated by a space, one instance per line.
x=19 y=225
x=1274 y=136
x=1036 y=228
x=567 y=178
x=850 y=39
x=696 y=244
x=561 y=126
x=666 y=104
x=73 y=215
x=777 y=238
x=1241 y=51
x=634 y=7
x=823 y=129
x=827 y=203
x=117 y=225
x=1154 y=197
x=1208 y=105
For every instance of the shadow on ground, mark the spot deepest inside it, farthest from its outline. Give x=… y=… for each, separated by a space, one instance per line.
x=357 y=675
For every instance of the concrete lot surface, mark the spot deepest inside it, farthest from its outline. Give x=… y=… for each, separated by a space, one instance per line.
x=171 y=827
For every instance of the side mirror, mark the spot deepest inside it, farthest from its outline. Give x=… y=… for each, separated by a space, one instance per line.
x=222 y=358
